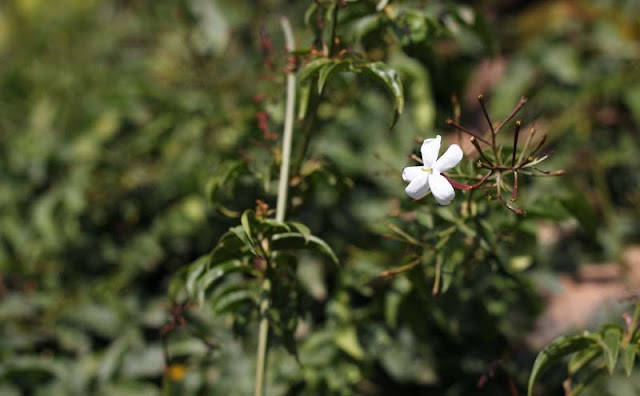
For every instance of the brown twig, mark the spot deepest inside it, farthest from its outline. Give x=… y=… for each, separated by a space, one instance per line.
x=475 y=144
x=465 y=130
x=515 y=142
x=515 y=111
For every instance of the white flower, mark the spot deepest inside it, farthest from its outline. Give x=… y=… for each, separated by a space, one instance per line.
x=428 y=176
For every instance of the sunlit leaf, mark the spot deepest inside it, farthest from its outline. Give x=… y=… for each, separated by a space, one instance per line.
x=347 y=339
x=628 y=354
x=611 y=337
x=301 y=228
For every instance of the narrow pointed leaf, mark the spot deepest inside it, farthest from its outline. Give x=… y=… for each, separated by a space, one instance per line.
x=194 y=271
x=270 y=227
x=304 y=92
x=628 y=355
x=301 y=228
x=212 y=275
x=326 y=71
x=312 y=68
x=347 y=339
x=391 y=80
x=611 y=336
x=558 y=349
x=313 y=8
x=248 y=217
x=296 y=240
x=582 y=358
x=232 y=295
x=234 y=244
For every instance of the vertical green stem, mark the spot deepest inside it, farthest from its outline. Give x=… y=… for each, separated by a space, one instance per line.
x=263 y=338
x=283 y=183
x=281 y=207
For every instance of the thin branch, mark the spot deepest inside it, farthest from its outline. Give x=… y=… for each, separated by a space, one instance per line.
x=486 y=116
x=281 y=207
x=515 y=111
x=515 y=142
x=465 y=130
x=475 y=144
x=539 y=146
x=526 y=146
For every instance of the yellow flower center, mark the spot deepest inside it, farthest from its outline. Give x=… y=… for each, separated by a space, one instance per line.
x=176 y=372
x=428 y=170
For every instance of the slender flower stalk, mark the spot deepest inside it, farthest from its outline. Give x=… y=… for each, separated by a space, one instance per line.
x=515 y=142
x=465 y=130
x=498 y=166
x=475 y=144
x=493 y=131
x=281 y=207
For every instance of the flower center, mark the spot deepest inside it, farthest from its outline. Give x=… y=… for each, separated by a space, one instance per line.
x=428 y=170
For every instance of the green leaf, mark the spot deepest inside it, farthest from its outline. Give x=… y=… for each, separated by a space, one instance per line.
x=301 y=228
x=628 y=357
x=296 y=240
x=412 y=27
x=177 y=283
x=611 y=336
x=326 y=71
x=193 y=273
x=558 y=349
x=234 y=244
x=391 y=80
x=312 y=68
x=269 y=227
x=582 y=358
x=248 y=218
x=214 y=274
x=346 y=339
x=112 y=358
x=304 y=93
x=313 y=8
x=34 y=368
x=228 y=297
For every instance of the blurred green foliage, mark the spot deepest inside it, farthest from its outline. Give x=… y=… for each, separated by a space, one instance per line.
x=129 y=131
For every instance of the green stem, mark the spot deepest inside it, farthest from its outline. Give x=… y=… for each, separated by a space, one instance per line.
x=283 y=183
x=281 y=207
x=263 y=338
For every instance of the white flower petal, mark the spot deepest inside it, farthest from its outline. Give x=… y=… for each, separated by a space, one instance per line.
x=419 y=187
x=441 y=189
x=411 y=172
x=449 y=159
x=429 y=150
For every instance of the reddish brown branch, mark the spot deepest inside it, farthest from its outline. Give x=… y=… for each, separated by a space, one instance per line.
x=515 y=111
x=465 y=130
